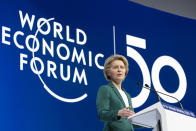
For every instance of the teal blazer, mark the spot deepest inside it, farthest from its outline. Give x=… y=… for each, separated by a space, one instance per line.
x=109 y=102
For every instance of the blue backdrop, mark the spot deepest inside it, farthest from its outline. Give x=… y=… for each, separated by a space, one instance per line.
x=24 y=103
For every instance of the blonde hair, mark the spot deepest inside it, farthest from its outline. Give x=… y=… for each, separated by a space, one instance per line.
x=108 y=62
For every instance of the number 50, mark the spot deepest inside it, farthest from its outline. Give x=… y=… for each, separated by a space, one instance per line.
x=159 y=63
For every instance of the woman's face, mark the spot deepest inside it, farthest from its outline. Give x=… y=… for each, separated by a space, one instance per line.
x=117 y=71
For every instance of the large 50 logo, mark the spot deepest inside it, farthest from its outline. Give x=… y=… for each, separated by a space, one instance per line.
x=159 y=63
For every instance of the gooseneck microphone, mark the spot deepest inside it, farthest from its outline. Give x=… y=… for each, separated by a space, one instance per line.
x=148 y=87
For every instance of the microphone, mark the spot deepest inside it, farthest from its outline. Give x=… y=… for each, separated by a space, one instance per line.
x=168 y=96
x=147 y=87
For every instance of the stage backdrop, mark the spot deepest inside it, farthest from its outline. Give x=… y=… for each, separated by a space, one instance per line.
x=52 y=55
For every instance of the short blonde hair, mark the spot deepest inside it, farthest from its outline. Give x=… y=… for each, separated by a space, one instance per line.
x=108 y=62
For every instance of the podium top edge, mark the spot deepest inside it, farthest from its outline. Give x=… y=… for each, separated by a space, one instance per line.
x=178 y=110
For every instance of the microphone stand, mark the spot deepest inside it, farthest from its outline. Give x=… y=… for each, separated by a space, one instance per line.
x=148 y=87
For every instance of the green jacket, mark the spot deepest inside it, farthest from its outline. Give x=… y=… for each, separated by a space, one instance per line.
x=109 y=102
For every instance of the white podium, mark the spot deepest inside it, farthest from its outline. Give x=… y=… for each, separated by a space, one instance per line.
x=164 y=117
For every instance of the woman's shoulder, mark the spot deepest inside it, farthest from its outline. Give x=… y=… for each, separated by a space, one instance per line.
x=105 y=87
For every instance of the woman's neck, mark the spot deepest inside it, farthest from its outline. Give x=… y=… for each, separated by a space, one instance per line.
x=117 y=84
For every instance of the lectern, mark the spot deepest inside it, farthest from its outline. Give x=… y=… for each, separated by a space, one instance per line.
x=165 y=117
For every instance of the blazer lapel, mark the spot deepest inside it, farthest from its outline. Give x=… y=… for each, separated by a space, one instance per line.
x=117 y=93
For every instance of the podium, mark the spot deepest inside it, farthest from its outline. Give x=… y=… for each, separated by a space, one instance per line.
x=164 y=117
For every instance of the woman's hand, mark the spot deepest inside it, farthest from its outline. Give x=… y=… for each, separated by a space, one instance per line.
x=125 y=112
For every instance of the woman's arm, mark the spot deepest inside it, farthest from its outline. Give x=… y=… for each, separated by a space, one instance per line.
x=103 y=105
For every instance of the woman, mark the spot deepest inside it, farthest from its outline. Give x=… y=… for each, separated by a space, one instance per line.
x=113 y=102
